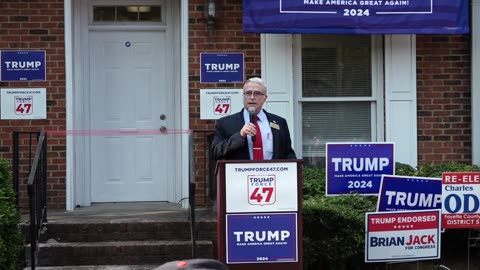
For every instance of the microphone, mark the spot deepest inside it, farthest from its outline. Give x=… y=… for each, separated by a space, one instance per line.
x=251 y=111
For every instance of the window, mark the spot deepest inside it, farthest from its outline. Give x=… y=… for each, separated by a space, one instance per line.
x=339 y=97
x=119 y=14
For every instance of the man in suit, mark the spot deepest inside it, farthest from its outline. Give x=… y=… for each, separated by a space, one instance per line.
x=235 y=135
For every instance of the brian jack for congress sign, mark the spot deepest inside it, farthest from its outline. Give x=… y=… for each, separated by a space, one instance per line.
x=402 y=235
x=356 y=16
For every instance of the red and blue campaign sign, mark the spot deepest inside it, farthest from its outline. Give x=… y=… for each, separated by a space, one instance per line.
x=400 y=193
x=23 y=65
x=402 y=235
x=261 y=238
x=221 y=67
x=356 y=16
x=358 y=167
x=461 y=200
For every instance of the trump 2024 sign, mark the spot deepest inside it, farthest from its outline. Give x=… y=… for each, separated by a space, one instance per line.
x=402 y=235
x=221 y=67
x=358 y=167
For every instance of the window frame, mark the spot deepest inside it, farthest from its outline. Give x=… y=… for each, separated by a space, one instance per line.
x=376 y=99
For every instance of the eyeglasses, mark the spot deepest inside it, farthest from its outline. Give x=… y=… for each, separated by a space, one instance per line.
x=254 y=93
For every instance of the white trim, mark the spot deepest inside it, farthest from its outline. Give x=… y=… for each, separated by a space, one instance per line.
x=277 y=72
x=475 y=82
x=378 y=129
x=69 y=187
x=185 y=121
x=401 y=97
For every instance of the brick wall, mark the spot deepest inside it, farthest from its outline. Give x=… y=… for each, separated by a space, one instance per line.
x=227 y=36
x=38 y=25
x=443 y=99
x=443 y=70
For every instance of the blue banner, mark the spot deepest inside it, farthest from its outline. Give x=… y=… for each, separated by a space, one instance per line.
x=358 y=167
x=262 y=238
x=23 y=65
x=400 y=193
x=356 y=16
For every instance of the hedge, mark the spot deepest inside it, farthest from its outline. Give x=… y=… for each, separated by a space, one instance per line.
x=11 y=241
x=334 y=226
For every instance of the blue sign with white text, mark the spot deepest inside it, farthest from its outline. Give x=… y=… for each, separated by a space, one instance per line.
x=401 y=193
x=357 y=167
x=23 y=65
x=221 y=67
x=356 y=16
x=261 y=238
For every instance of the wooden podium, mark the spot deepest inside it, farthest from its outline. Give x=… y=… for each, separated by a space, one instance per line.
x=259 y=214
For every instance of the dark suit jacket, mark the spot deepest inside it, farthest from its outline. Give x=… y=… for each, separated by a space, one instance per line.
x=228 y=144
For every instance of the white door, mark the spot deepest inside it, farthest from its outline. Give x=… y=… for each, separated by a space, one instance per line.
x=132 y=152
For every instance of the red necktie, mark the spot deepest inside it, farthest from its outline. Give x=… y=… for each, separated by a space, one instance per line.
x=257 y=144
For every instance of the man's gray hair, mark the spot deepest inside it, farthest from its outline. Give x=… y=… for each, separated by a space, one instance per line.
x=259 y=81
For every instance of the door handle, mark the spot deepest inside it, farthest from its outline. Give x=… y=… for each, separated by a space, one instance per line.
x=163 y=129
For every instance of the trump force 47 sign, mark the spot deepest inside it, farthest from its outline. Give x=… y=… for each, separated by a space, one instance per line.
x=23 y=103
x=261 y=187
x=217 y=103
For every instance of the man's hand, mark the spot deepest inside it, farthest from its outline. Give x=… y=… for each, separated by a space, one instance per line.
x=248 y=129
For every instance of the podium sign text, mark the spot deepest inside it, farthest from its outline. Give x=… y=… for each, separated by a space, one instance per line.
x=261 y=187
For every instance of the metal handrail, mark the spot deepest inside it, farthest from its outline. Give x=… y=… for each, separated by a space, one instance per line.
x=192 y=179
x=37 y=193
x=36 y=185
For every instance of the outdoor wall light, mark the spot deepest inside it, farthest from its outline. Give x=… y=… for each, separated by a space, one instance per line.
x=210 y=10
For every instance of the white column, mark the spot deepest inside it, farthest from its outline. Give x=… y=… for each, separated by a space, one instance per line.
x=475 y=82
x=277 y=71
x=68 y=21
x=401 y=97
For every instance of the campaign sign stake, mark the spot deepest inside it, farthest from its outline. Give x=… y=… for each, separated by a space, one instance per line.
x=461 y=200
x=402 y=235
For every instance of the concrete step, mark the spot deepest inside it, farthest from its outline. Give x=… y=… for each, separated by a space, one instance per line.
x=126 y=231
x=119 y=252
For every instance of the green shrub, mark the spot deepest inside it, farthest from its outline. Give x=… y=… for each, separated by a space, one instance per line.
x=10 y=236
x=334 y=227
x=436 y=170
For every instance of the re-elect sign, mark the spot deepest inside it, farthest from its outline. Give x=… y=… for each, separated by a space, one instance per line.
x=461 y=200
x=357 y=167
x=400 y=193
x=402 y=235
x=23 y=65
x=221 y=67
x=262 y=238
